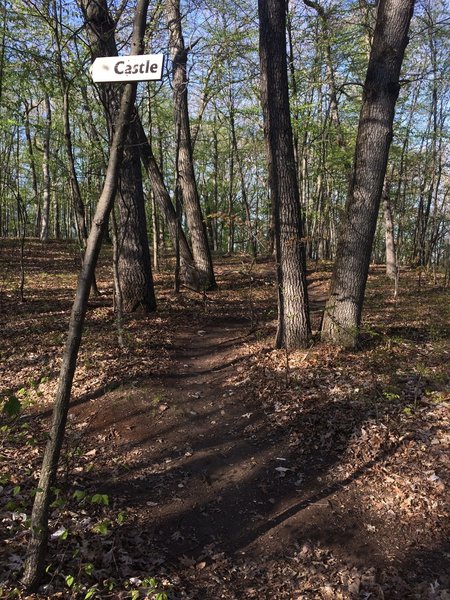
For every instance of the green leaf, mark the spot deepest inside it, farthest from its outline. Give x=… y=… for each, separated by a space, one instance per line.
x=12 y=406
x=79 y=495
x=100 y=499
x=135 y=595
x=70 y=580
x=102 y=528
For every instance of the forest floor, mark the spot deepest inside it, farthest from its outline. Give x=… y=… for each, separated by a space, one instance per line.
x=200 y=461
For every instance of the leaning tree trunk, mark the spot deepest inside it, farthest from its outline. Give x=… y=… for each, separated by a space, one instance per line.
x=343 y=310
x=134 y=263
x=162 y=198
x=37 y=547
x=188 y=184
x=293 y=315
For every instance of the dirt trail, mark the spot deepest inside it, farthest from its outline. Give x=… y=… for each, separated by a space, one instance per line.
x=193 y=447
x=203 y=466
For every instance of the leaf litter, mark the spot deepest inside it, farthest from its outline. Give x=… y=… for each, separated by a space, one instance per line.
x=323 y=475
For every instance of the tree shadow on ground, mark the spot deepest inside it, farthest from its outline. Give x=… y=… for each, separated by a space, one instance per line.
x=223 y=470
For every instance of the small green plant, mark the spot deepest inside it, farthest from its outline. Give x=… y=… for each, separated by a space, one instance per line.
x=148 y=588
x=79 y=495
x=60 y=500
x=101 y=499
x=12 y=406
x=103 y=527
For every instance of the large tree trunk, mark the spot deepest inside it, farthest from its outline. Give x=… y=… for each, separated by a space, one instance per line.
x=134 y=265
x=37 y=547
x=134 y=254
x=293 y=315
x=343 y=310
x=188 y=184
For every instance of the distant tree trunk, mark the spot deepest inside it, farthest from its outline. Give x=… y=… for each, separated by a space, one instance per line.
x=134 y=263
x=78 y=204
x=391 y=260
x=188 y=269
x=230 y=240
x=64 y=82
x=56 y=217
x=155 y=234
x=431 y=171
x=248 y=217
x=293 y=314
x=28 y=109
x=45 y=215
x=3 y=47
x=334 y=109
x=215 y=195
x=37 y=547
x=343 y=310
x=188 y=184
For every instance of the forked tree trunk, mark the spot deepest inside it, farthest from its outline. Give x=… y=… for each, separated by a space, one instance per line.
x=37 y=547
x=343 y=310
x=188 y=184
x=293 y=314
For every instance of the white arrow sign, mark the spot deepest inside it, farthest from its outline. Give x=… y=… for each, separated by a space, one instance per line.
x=142 y=67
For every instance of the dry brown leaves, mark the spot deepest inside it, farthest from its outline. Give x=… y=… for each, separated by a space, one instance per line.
x=369 y=429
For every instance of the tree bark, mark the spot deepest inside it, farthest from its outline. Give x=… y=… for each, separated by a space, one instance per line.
x=248 y=217
x=293 y=314
x=37 y=547
x=45 y=215
x=187 y=266
x=134 y=263
x=343 y=310
x=391 y=260
x=28 y=109
x=188 y=184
